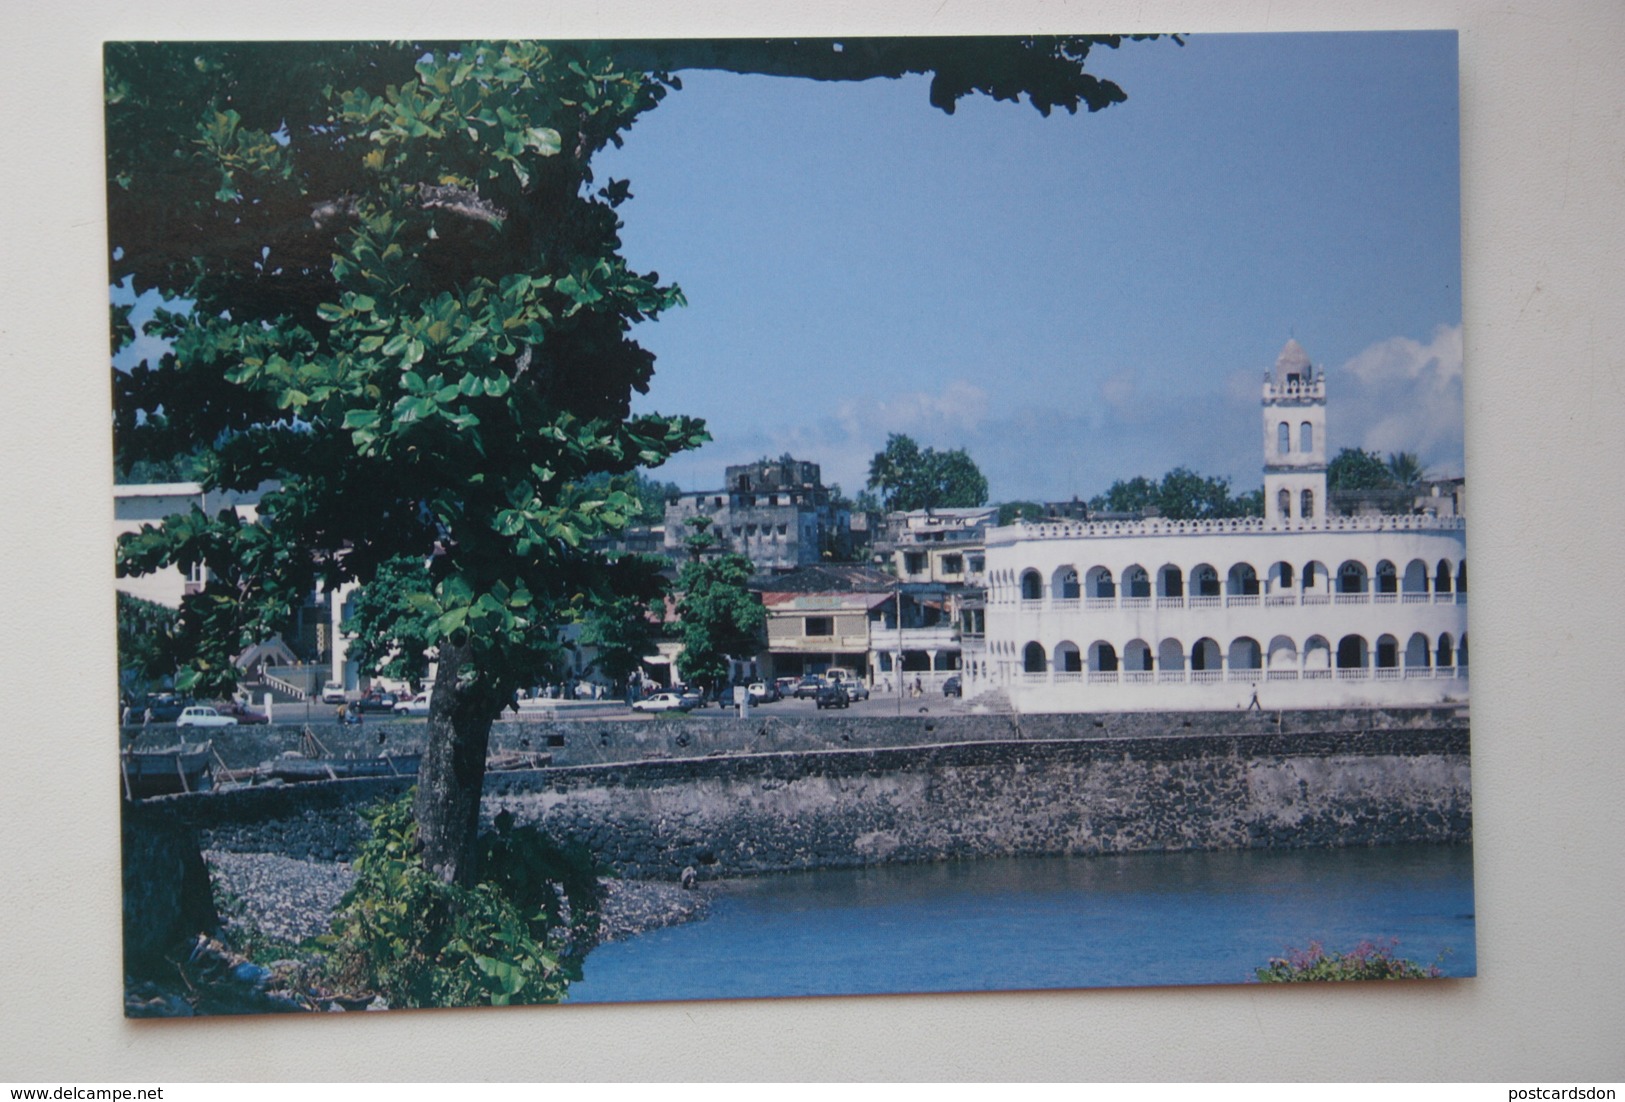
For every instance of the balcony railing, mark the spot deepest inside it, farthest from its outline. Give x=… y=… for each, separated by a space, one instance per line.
x=1444 y=598
x=1317 y=599
x=1170 y=602
x=1354 y=673
x=1241 y=600
x=1102 y=677
x=1065 y=604
x=1281 y=675
x=1139 y=677
x=1204 y=602
x=1353 y=598
x=1136 y=602
x=1242 y=673
x=1280 y=600
x=1415 y=598
x=1097 y=603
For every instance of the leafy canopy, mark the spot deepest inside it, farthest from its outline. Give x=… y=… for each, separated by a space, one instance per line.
x=1182 y=494
x=720 y=617
x=408 y=309
x=910 y=478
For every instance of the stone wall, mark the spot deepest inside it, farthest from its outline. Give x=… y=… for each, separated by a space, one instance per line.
x=734 y=799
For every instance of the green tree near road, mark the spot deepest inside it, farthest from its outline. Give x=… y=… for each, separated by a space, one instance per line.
x=910 y=478
x=407 y=307
x=719 y=616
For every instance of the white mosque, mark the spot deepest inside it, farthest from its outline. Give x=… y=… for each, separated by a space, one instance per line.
x=1299 y=609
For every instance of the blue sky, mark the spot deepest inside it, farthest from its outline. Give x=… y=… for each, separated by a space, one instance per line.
x=1072 y=299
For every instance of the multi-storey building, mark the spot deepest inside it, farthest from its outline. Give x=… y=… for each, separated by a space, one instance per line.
x=1295 y=609
x=775 y=512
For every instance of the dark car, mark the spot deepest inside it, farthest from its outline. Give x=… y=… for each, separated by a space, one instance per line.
x=832 y=695
x=244 y=716
x=378 y=702
x=164 y=708
x=809 y=687
x=951 y=687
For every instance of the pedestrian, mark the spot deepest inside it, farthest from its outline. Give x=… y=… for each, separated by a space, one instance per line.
x=1255 y=706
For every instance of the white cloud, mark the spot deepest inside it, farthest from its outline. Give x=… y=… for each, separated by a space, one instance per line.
x=1402 y=395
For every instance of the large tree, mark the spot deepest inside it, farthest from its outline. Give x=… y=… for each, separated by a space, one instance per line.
x=909 y=477
x=395 y=291
x=1181 y=494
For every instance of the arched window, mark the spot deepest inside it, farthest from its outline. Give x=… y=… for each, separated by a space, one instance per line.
x=1066 y=584
x=1387 y=652
x=1416 y=652
x=1205 y=655
x=1170 y=655
x=1351 y=577
x=1170 y=582
x=1243 y=580
x=1441 y=578
x=1032 y=587
x=1283 y=504
x=1102 y=657
x=1245 y=654
x=1136 y=582
x=1461 y=577
x=1283 y=438
x=1306 y=508
x=1137 y=656
x=1387 y=577
x=1205 y=581
x=1100 y=585
x=1306 y=437
x=1283 y=577
x=1067 y=658
x=1032 y=658
x=1447 y=655
x=1351 y=653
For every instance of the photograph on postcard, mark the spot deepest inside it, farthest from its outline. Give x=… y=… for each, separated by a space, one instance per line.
x=619 y=521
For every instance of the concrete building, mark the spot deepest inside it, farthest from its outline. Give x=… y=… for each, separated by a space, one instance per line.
x=775 y=512
x=1301 y=608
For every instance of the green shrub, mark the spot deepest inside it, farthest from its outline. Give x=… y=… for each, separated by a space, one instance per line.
x=517 y=936
x=1367 y=961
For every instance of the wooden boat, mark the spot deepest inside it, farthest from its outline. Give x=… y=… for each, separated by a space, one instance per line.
x=295 y=770
x=176 y=769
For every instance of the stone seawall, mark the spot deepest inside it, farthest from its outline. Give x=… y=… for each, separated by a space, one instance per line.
x=730 y=811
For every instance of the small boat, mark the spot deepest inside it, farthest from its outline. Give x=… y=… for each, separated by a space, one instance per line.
x=166 y=772
x=294 y=770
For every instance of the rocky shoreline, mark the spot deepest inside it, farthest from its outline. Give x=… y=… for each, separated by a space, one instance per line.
x=291 y=899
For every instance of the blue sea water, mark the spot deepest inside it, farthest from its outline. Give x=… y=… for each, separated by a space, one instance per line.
x=1032 y=923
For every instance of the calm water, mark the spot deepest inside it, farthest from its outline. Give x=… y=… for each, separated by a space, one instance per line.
x=1130 y=920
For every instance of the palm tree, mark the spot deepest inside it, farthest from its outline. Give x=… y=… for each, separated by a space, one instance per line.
x=1405 y=469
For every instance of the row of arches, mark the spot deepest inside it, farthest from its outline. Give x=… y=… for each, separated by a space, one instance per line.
x=1420 y=655
x=1418 y=580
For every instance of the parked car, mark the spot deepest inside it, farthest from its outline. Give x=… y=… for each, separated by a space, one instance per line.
x=764 y=692
x=785 y=685
x=164 y=708
x=378 y=702
x=664 y=702
x=832 y=695
x=809 y=687
x=855 y=689
x=413 y=706
x=694 y=696
x=244 y=715
x=201 y=715
x=333 y=693
x=952 y=687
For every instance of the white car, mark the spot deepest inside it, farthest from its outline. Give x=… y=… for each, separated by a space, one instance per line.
x=333 y=693
x=664 y=702
x=200 y=715
x=413 y=706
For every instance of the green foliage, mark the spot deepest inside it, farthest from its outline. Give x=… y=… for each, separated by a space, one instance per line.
x=651 y=494
x=146 y=642
x=1182 y=494
x=408 y=308
x=1353 y=469
x=719 y=615
x=1405 y=469
x=517 y=936
x=910 y=478
x=624 y=632
x=1012 y=511
x=1366 y=961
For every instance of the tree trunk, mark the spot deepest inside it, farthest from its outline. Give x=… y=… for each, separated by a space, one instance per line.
x=452 y=775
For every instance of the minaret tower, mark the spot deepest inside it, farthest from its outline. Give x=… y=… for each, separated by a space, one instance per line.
x=1294 y=439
